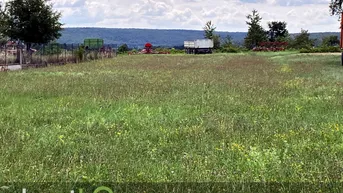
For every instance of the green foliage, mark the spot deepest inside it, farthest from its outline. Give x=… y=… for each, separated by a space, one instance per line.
x=325 y=49
x=277 y=31
x=3 y=25
x=32 y=21
x=169 y=50
x=3 y=41
x=176 y=51
x=330 y=41
x=302 y=41
x=256 y=33
x=216 y=41
x=53 y=48
x=80 y=53
x=123 y=48
x=227 y=41
x=305 y=50
x=229 y=49
x=336 y=7
x=209 y=30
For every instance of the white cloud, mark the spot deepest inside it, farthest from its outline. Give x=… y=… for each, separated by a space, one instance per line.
x=227 y=15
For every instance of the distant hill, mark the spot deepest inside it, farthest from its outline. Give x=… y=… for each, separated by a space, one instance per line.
x=136 y=38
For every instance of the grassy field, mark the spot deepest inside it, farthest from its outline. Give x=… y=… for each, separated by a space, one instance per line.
x=214 y=118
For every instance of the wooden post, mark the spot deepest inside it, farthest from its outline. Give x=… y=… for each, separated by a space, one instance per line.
x=341 y=41
x=6 y=56
x=20 y=56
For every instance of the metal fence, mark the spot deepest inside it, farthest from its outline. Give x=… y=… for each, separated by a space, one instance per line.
x=51 y=54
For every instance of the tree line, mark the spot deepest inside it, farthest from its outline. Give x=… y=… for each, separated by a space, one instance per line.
x=276 y=32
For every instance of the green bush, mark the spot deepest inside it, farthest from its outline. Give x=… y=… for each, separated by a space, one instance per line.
x=334 y=49
x=176 y=51
x=51 y=49
x=79 y=53
x=304 y=50
x=230 y=49
x=168 y=50
x=123 y=48
x=320 y=50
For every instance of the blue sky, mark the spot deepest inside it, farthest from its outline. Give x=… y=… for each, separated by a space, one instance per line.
x=227 y=15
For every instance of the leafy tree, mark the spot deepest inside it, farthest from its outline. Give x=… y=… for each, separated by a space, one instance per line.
x=277 y=31
x=330 y=41
x=256 y=33
x=2 y=26
x=209 y=30
x=228 y=41
x=216 y=41
x=32 y=21
x=302 y=40
x=123 y=48
x=336 y=7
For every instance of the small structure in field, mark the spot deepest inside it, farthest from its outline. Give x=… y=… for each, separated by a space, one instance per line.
x=93 y=44
x=202 y=46
x=11 y=47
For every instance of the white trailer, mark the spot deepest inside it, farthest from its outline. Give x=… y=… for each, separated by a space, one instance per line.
x=203 y=46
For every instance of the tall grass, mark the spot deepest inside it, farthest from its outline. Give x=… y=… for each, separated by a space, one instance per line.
x=256 y=118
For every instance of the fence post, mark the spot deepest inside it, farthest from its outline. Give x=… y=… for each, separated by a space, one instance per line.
x=20 y=56
x=41 y=52
x=6 y=56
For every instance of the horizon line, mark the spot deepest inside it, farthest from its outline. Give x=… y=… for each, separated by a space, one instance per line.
x=171 y=29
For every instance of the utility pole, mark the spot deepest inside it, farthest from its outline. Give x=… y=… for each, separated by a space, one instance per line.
x=341 y=41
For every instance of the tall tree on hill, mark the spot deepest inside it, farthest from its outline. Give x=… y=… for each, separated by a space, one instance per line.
x=256 y=33
x=32 y=21
x=302 y=40
x=277 y=31
x=209 y=30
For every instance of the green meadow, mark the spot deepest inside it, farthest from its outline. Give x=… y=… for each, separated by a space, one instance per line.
x=252 y=117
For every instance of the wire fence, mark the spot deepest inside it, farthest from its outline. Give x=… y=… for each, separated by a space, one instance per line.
x=51 y=54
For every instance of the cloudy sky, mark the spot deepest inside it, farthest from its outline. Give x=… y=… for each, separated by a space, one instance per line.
x=227 y=15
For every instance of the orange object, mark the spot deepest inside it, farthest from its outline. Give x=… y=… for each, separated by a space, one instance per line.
x=341 y=42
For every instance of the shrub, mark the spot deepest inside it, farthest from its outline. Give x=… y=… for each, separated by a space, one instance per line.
x=230 y=49
x=79 y=53
x=176 y=51
x=123 y=48
x=320 y=50
x=305 y=50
